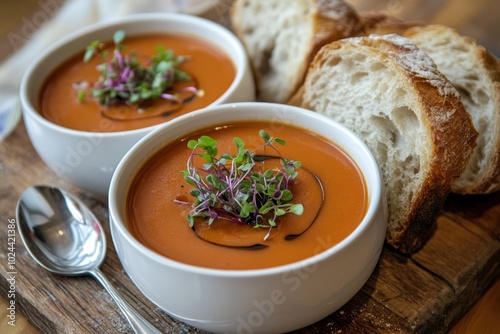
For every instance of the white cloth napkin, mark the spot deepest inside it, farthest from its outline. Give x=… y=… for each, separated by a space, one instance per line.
x=74 y=14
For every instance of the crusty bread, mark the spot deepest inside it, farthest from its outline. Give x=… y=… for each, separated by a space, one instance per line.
x=281 y=37
x=390 y=93
x=379 y=23
x=475 y=73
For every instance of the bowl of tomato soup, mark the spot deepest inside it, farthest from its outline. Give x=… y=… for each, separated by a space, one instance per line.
x=92 y=95
x=248 y=217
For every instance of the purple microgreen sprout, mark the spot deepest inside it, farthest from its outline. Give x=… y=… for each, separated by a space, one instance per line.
x=232 y=188
x=123 y=79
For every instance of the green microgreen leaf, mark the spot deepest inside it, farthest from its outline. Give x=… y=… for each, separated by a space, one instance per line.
x=286 y=195
x=246 y=184
x=280 y=141
x=206 y=142
x=118 y=36
x=214 y=181
x=90 y=50
x=269 y=174
x=265 y=208
x=207 y=157
x=264 y=135
x=190 y=180
x=246 y=167
x=279 y=212
x=297 y=209
x=190 y=219
x=192 y=144
x=80 y=96
x=288 y=169
x=271 y=189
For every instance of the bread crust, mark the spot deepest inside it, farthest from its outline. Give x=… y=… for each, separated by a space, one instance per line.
x=379 y=23
x=451 y=133
x=491 y=179
x=488 y=181
x=330 y=20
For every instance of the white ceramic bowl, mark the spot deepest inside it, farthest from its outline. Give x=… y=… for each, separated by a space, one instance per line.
x=88 y=159
x=273 y=300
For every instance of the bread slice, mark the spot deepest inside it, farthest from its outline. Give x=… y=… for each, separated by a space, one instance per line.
x=475 y=73
x=390 y=94
x=379 y=23
x=281 y=37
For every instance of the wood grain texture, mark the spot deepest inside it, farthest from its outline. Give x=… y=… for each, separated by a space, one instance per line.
x=483 y=316
x=425 y=293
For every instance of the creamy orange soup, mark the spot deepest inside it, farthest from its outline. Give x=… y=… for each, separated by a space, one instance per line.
x=212 y=68
x=158 y=221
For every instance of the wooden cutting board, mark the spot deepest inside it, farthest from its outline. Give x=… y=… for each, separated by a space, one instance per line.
x=427 y=292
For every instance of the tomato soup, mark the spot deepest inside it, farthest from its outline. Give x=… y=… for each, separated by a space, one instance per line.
x=212 y=69
x=158 y=220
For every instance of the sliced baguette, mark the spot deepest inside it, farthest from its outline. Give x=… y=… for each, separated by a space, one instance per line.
x=475 y=73
x=281 y=37
x=390 y=93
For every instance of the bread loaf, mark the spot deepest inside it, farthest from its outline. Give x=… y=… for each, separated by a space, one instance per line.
x=379 y=23
x=281 y=37
x=475 y=73
x=390 y=93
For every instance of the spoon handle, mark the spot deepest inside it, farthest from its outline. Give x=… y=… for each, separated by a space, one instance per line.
x=136 y=321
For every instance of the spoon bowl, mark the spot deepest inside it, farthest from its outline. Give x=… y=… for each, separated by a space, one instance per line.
x=63 y=236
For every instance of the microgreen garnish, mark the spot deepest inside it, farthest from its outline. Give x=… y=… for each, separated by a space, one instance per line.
x=234 y=188
x=124 y=79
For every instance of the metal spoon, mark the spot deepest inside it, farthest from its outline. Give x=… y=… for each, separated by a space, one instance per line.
x=64 y=237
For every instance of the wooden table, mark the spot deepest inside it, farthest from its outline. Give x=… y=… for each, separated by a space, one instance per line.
x=427 y=292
